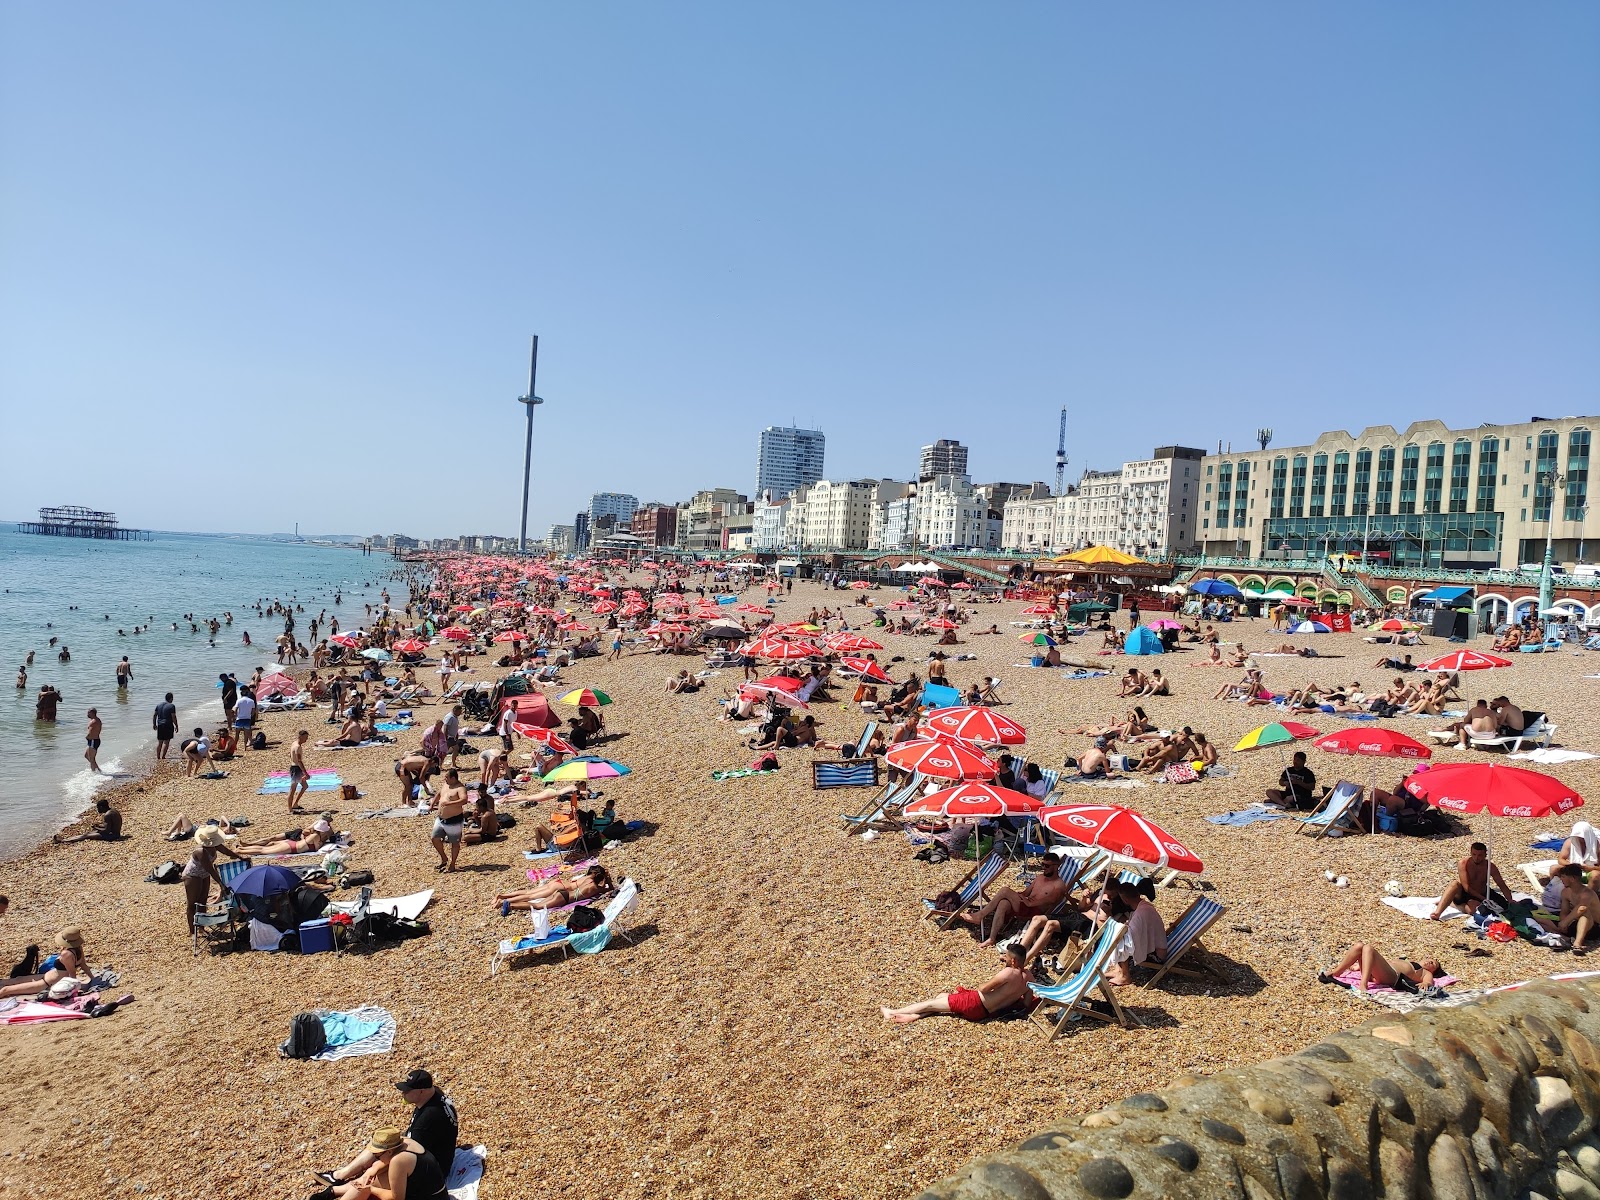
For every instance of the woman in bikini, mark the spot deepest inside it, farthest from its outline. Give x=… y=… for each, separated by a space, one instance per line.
x=68 y=962
x=1406 y=975
x=558 y=892
x=315 y=838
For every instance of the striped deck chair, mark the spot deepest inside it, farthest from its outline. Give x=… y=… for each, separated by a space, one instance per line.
x=1337 y=809
x=231 y=869
x=1071 y=869
x=893 y=796
x=861 y=742
x=971 y=890
x=1052 y=778
x=1071 y=995
x=1182 y=935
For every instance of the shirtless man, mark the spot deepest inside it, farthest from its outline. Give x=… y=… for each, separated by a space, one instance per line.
x=1094 y=764
x=1510 y=717
x=1003 y=991
x=1134 y=683
x=299 y=777
x=450 y=819
x=492 y=765
x=91 y=735
x=1039 y=897
x=1580 y=907
x=1471 y=886
x=413 y=771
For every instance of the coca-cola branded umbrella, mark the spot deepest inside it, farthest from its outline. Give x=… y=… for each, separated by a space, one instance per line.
x=1123 y=832
x=865 y=668
x=1373 y=743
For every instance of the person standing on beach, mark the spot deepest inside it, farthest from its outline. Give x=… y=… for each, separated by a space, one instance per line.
x=165 y=722
x=92 y=736
x=230 y=695
x=450 y=820
x=299 y=777
x=124 y=674
x=244 y=717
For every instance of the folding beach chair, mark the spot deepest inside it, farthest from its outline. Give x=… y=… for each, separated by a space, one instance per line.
x=1052 y=779
x=1070 y=996
x=860 y=747
x=1182 y=935
x=215 y=922
x=616 y=912
x=893 y=796
x=1336 y=810
x=1070 y=871
x=971 y=890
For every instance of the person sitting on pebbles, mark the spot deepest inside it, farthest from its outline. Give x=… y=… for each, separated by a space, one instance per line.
x=399 y=1169
x=1471 y=886
x=1005 y=991
x=68 y=962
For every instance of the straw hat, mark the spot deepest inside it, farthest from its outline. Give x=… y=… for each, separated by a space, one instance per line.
x=385 y=1140
x=70 y=936
x=211 y=837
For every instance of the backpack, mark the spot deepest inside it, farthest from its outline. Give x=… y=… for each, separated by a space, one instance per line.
x=259 y=742
x=356 y=879
x=167 y=872
x=584 y=918
x=307 y=1038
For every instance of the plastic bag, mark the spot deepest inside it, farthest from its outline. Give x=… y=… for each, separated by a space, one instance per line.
x=541 y=923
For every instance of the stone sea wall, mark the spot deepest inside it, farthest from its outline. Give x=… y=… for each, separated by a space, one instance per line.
x=1498 y=1099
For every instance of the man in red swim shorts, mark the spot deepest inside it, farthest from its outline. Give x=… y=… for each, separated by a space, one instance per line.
x=999 y=994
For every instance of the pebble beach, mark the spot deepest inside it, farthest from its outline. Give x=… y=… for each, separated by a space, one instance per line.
x=735 y=1049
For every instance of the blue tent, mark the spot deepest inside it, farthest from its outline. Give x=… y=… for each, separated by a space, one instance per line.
x=1142 y=640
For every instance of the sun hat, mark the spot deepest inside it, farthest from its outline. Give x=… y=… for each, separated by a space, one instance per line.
x=211 y=837
x=70 y=936
x=385 y=1140
x=322 y=826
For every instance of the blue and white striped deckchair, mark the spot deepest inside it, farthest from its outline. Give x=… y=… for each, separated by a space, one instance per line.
x=1337 y=809
x=893 y=796
x=231 y=869
x=1184 y=933
x=861 y=742
x=970 y=890
x=844 y=773
x=1052 y=779
x=1071 y=995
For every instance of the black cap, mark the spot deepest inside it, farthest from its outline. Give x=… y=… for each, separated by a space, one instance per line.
x=415 y=1081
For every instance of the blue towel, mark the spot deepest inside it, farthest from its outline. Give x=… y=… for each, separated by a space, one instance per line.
x=532 y=943
x=1554 y=843
x=392 y=726
x=344 y=1028
x=1247 y=816
x=591 y=941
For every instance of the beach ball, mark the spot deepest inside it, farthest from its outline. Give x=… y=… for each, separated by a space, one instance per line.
x=1393 y=888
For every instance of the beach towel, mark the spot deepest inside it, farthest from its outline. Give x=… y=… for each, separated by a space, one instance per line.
x=364 y=1030
x=1550 y=754
x=1552 y=841
x=1116 y=784
x=1353 y=977
x=466 y=1173
x=738 y=773
x=407 y=907
x=357 y=746
x=36 y=1012
x=1248 y=816
x=277 y=784
x=392 y=726
x=399 y=811
x=591 y=941
x=1421 y=907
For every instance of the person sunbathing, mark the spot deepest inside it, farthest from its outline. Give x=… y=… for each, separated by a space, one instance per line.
x=1426 y=700
x=1511 y=640
x=68 y=962
x=1213 y=657
x=1471 y=886
x=1179 y=747
x=1204 y=752
x=568 y=887
x=1238 y=656
x=1405 y=975
x=1095 y=763
x=351 y=734
x=1007 y=989
x=989 y=692
x=315 y=838
x=1155 y=685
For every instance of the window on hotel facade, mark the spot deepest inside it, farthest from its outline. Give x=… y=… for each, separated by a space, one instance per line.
x=1488 y=471
x=1408 y=479
x=1341 y=483
x=1243 y=486
x=1360 y=506
x=1280 y=481
x=1549 y=444
x=1224 y=489
x=1383 y=493
x=1297 y=487
x=1460 y=475
x=1319 y=484
x=1577 y=498
x=1433 y=479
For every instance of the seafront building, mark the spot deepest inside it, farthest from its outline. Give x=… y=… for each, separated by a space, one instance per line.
x=1428 y=496
x=788 y=458
x=618 y=505
x=944 y=457
x=1146 y=507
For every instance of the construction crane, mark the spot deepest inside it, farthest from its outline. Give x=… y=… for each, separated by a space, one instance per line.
x=1061 y=455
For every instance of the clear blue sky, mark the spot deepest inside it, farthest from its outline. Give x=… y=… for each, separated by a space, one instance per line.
x=279 y=262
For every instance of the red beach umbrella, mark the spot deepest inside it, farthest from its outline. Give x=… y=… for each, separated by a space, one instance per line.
x=975 y=800
x=511 y=635
x=850 y=643
x=1466 y=660
x=1381 y=743
x=778 y=650
x=1121 y=831
x=410 y=646
x=604 y=607
x=348 y=640
x=941 y=623
x=941 y=759
x=862 y=585
x=1493 y=789
x=865 y=668
x=976 y=724
x=756 y=609
x=457 y=634
x=277 y=684
x=548 y=736
x=784 y=683
x=1039 y=610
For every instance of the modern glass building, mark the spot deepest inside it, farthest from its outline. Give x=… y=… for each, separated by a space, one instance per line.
x=788 y=459
x=1427 y=497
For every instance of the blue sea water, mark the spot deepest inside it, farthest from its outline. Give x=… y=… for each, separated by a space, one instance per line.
x=44 y=780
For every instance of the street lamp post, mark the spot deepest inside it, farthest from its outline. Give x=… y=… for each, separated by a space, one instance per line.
x=1552 y=480
x=529 y=401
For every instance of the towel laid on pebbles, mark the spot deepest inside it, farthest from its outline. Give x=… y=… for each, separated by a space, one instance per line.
x=466 y=1173
x=1421 y=907
x=1248 y=816
x=1114 y=784
x=364 y=1030
x=1552 y=755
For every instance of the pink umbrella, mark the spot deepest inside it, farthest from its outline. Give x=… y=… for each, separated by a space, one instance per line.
x=277 y=684
x=1165 y=623
x=941 y=623
x=548 y=736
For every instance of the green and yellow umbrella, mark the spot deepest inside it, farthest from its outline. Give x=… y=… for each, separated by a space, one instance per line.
x=1276 y=734
x=584 y=698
